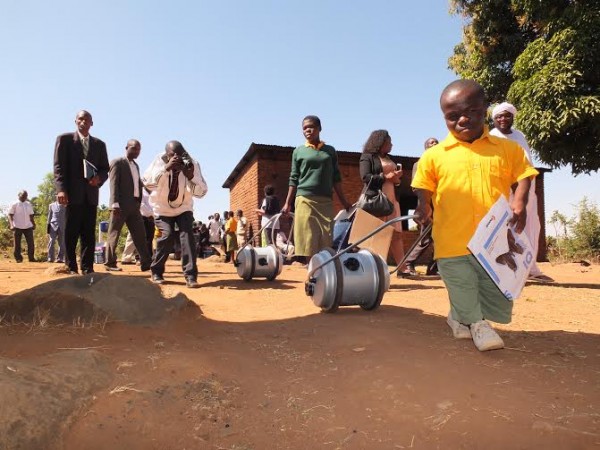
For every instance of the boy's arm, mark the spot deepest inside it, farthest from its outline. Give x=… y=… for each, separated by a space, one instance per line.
x=519 y=204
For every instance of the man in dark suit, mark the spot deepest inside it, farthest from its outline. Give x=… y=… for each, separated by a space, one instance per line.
x=125 y=198
x=78 y=193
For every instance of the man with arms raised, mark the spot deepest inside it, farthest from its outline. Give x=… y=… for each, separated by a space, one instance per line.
x=463 y=177
x=173 y=179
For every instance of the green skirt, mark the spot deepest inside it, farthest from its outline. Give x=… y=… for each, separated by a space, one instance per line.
x=312 y=224
x=230 y=242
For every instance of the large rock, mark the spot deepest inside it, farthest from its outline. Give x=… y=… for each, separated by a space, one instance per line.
x=92 y=297
x=39 y=398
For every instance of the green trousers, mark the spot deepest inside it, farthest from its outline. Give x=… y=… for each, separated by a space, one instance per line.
x=473 y=295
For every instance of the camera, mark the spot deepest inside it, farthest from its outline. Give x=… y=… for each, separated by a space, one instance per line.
x=187 y=161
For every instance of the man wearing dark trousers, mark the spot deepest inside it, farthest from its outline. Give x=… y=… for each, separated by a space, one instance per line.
x=173 y=179
x=78 y=192
x=126 y=190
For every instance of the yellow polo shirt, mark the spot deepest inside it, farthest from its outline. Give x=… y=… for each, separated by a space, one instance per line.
x=466 y=180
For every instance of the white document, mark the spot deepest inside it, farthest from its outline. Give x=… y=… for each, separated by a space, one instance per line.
x=505 y=255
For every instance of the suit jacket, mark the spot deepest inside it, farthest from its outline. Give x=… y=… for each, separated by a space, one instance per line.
x=121 y=184
x=68 y=167
x=370 y=168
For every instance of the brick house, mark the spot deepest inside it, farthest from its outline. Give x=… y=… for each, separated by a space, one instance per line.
x=270 y=164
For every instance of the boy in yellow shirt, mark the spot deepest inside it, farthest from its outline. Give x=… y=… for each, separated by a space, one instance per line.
x=463 y=176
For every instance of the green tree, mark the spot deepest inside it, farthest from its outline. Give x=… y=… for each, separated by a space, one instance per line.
x=544 y=58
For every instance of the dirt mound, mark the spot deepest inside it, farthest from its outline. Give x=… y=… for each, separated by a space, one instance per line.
x=39 y=397
x=91 y=298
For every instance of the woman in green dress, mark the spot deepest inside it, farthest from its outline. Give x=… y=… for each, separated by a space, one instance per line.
x=314 y=176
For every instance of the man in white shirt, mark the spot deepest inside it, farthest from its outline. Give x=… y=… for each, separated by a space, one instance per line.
x=242 y=225
x=126 y=190
x=503 y=116
x=20 y=220
x=173 y=179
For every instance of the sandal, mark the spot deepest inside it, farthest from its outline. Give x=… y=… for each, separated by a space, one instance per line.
x=541 y=278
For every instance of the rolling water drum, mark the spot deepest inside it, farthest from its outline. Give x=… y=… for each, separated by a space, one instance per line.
x=351 y=277
x=252 y=262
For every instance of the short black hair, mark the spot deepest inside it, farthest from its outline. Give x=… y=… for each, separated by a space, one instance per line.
x=269 y=189
x=313 y=119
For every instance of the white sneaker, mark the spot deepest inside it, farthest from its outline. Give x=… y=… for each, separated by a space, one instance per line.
x=484 y=336
x=459 y=331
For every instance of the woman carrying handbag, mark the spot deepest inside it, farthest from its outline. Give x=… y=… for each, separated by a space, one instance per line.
x=380 y=174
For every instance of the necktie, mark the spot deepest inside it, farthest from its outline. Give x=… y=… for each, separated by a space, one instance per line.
x=174 y=185
x=86 y=146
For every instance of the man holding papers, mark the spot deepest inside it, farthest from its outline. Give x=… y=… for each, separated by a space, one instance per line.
x=464 y=175
x=77 y=192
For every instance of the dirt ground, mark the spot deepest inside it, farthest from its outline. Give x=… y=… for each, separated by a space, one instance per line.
x=257 y=366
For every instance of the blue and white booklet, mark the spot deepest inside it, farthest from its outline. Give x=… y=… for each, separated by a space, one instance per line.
x=504 y=254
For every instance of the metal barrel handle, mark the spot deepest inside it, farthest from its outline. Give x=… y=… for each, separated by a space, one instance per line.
x=266 y=225
x=424 y=232
x=361 y=240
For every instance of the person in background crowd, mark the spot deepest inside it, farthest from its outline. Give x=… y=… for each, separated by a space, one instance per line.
x=314 y=176
x=426 y=241
x=268 y=208
x=56 y=231
x=230 y=237
x=126 y=191
x=285 y=247
x=242 y=228
x=503 y=116
x=173 y=178
x=461 y=198
x=379 y=172
x=79 y=190
x=21 y=222
x=214 y=229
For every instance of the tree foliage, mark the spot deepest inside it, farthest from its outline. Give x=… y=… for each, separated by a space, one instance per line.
x=577 y=237
x=543 y=56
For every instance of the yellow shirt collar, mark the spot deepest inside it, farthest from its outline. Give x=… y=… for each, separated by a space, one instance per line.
x=317 y=147
x=451 y=141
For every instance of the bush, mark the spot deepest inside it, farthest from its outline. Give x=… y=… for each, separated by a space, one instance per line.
x=578 y=237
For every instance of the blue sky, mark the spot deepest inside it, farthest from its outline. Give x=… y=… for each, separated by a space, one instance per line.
x=220 y=75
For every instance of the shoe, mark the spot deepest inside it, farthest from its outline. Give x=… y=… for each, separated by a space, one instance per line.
x=49 y=260
x=127 y=263
x=73 y=272
x=87 y=271
x=410 y=271
x=432 y=269
x=60 y=261
x=484 y=337
x=145 y=268
x=541 y=278
x=459 y=331
x=191 y=283
x=157 y=279
x=19 y=260
x=113 y=268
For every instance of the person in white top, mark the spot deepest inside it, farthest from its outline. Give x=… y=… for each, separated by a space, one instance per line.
x=20 y=220
x=214 y=229
x=173 y=179
x=503 y=116
x=242 y=226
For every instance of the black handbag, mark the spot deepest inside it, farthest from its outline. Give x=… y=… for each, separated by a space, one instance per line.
x=377 y=205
